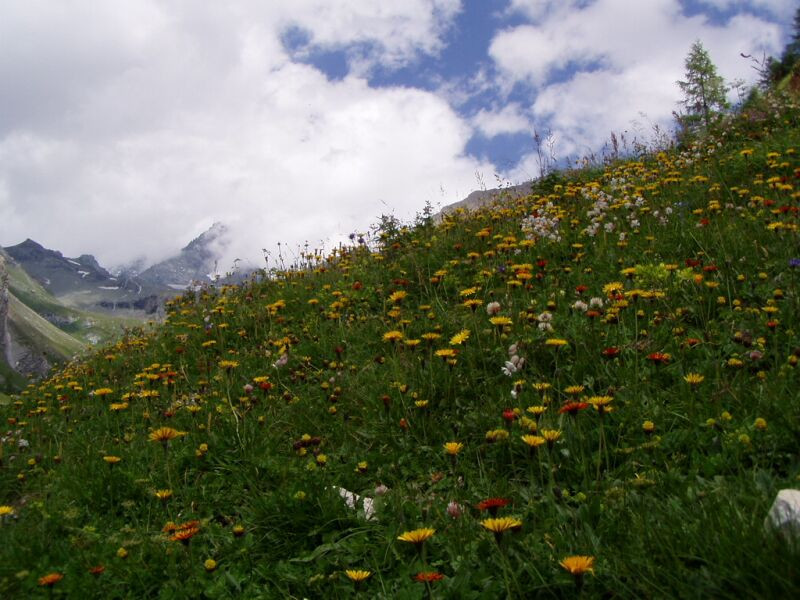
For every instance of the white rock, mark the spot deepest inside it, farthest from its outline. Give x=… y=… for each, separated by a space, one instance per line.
x=351 y=499
x=784 y=516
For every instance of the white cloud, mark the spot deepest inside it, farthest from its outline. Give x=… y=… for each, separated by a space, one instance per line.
x=596 y=67
x=508 y=119
x=132 y=126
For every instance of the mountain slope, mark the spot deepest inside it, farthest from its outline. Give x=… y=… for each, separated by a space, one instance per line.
x=589 y=391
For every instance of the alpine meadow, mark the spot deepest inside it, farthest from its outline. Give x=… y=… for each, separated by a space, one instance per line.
x=586 y=391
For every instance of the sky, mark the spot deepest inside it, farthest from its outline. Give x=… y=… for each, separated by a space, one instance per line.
x=128 y=127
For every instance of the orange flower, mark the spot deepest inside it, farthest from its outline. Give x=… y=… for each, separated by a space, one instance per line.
x=50 y=579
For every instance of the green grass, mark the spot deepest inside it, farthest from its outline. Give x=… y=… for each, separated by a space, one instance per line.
x=283 y=389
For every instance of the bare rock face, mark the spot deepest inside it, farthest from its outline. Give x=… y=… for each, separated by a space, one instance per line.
x=5 y=338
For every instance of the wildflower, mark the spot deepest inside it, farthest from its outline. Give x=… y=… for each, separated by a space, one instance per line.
x=50 y=579
x=496 y=435
x=165 y=435
x=446 y=353
x=694 y=379
x=97 y=570
x=417 y=536
x=453 y=448
x=238 y=530
x=601 y=403
x=358 y=575
x=6 y=510
x=574 y=390
x=454 y=509
x=122 y=553
x=610 y=352
x=498 y=526
x=551 y=436
x=578 y=566
x=500 y=321
x=573 y=408
x=112 y=460
x=184 y=534
x=228 y=365
x=209 y=565
x=103 y=392
x=760 y=424
x=397 y=297
x=163 y=495
x=648 y=427
x=493 y=308
x=492 y=504
x=659 y=358
x=459 y=338
x=428 y=577
x=555 y=342
x=533 y=441
x=362 y=467
x=392 y=336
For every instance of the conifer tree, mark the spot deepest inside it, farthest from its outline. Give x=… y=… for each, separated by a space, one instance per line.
x=703 y=89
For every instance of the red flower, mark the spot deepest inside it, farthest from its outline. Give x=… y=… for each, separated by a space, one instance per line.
x=581 y=288
x=611 y=352
x=509 y=416
x=428 y=576
x=492 y=504
x=572 y=408
x=659 y=358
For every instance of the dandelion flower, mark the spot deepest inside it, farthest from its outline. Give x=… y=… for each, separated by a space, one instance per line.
x=209 y=564
x=498 y=526
x=417 y=536
x=165 y=435
x=578 y=565
x=453 y=448
x=392 y=336
x=694 y=379
x=358 y=575
x=533 y=441
x=459 y=338
x=6 y=510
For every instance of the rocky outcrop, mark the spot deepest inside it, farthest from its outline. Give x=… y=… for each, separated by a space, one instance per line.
x=5 y=336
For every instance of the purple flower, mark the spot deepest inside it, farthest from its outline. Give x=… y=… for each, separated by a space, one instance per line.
x=794 y=262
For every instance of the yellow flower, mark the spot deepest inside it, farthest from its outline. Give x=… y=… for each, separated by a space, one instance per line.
x=574 y=390
x=210 y=564
x=760 y=424
x=112 y=460
x=417 y=536
x=358 y=575
x=500 y=321
x=165 y=434
x=397 y=296
x=6 y=510
x=694 y=379
x=163 y=495
x=551 y=436
x=496 y=435
x=392 y=336
x=228 y=364
x=103 y=392
x=459 y=338
x=578 y=565
x=446 y=353
x=556 y=342
x=500 y=525
x=533 y=441
x=453 y=448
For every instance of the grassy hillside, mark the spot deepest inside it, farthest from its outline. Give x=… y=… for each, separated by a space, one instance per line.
x=599 y=378
x=89 y=328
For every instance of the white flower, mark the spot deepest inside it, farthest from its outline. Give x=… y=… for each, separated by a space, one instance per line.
x=492 y=308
